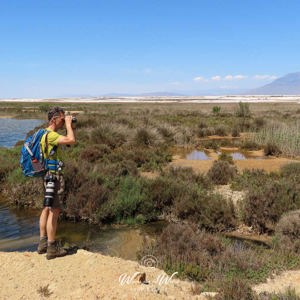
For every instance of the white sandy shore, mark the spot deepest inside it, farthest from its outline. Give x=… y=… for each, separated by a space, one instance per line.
x=168 y=99
x=87 y=275
x=84 y=275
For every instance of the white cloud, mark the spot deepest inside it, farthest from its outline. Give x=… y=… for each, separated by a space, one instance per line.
x=199 y=78
x=228 y=77
x=264 y=77
x=234 y=77
x=240 y=77
x=216 y=78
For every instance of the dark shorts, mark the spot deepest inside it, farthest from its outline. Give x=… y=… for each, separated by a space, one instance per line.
x=59 y=183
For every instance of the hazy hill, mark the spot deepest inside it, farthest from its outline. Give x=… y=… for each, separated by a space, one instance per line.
x=286 y=85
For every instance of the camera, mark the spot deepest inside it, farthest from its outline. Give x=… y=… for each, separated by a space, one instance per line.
x=49 y=192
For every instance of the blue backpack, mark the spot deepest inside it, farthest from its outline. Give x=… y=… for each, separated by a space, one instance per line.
x=32 y=161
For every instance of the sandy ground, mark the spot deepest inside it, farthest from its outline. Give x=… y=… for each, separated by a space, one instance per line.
x=87 y=275
x=202 y=166
x=84 y=275
x=280 y=283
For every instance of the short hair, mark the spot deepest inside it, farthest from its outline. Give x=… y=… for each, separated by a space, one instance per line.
x=55 y=111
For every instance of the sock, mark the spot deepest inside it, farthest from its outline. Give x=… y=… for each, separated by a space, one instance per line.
x=42 y=238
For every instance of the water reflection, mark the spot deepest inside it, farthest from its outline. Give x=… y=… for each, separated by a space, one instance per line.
x=236 y=155
x=14 y=130
x=197 y=155
x=19 y=231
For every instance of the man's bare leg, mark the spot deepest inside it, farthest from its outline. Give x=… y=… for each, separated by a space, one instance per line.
x=42 y=246
x=53 y=250
x=52 y=223
x=43 y=222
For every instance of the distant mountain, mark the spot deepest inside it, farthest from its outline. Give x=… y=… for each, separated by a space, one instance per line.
x=286 y=85
x=151 y=94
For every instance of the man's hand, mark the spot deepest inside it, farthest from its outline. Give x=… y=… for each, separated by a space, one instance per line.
x=68 y=121
x=70 y=138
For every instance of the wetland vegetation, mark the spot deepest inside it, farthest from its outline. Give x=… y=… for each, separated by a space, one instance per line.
x=121 y=171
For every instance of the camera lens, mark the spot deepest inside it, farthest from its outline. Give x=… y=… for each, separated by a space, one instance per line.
x=49 y=194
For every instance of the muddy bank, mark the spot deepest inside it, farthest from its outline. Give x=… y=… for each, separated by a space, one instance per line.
x=84 y=275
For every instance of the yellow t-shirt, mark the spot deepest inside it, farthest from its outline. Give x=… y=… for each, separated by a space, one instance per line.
x=52 y=139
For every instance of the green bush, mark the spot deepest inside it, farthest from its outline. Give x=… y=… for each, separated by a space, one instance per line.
x=226 y=157
x=144 y=137
x=271 y=149
x=104 y=134
x=291 y=171
x=249 y=145
x=259 y=123
x=221 y=130
x=221 y=172
x=216 y=110
x=264 y=205
x=236 y=289
x=243 y=110
x=235 y=132
x=184 y=249
x=287 y=231
x=204 y=132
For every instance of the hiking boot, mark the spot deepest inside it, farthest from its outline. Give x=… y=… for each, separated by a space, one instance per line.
x=54 y=251
x=42 y=247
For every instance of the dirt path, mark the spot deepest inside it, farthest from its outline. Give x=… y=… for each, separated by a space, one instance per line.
x=84 y=275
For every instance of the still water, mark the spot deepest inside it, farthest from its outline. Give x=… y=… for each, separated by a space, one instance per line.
x=19 y=228
x=13 y=130
x=19 y=231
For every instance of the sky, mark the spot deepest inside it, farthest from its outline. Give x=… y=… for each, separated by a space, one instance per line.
x=70 y=48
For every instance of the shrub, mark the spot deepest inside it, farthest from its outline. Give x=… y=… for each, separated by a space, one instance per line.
x=221 y=130
x=249 y=145
x=94 y=152
x=221 y=172
x=104 y=134
x=250 y=179
x=236 y=289
x=144 y=137
x=202 y=125
x=87 y=121
x=288 y=231
x=244 y=124
x=184 y=195
x=288 y=294
x=226 y=157
x=216 y=110
x=243 y=110
x=210 y=211
x=284 y=136
x=271 y=149
x=130 y=196
x=259 y=123
x=210 y=144
x=264 y=205
x=291 y=171
x=203 y=132
x=183 y=249
x=166 y=133
x=186 y=174
x=235 y=132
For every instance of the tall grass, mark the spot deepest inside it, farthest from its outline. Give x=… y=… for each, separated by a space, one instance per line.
x=285 y=137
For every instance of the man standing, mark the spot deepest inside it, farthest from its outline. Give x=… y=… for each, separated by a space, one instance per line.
x=50 y=144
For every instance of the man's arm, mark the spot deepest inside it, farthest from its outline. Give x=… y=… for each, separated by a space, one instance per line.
x=69 y=139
